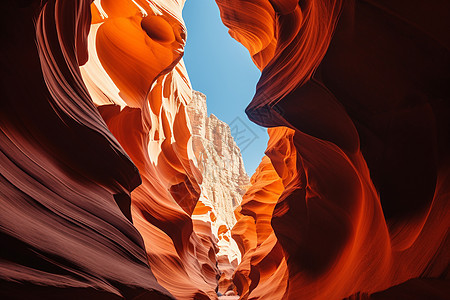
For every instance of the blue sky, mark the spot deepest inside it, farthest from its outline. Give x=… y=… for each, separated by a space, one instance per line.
x=222 y=69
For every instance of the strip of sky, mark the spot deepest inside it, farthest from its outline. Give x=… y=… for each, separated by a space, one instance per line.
x=222 y=69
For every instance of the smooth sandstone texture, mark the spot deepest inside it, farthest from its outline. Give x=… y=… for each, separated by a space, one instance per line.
x=352 y=200
x=361 y=88
x=142 y=89
x=65 y=180
x=263 y=271
x=94 y=135
x=188 y=242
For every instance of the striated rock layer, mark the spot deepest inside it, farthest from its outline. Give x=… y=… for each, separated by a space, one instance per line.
x=65 y=181
x=84 y=152
x=219 y=160
x=263 y=260
x=224 y=181
x=99 y=186
x=142 y=90
x=358 y=92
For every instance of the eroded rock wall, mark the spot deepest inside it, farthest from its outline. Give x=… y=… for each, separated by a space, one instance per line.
x=65 y=180
x=86 y=151
x=355 y=187
x=361 y=140
x=263 y=259
x=224 y=181
x=136 y=49
x=219 y=160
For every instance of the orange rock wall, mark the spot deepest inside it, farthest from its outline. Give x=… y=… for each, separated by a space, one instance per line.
x=65 y=180
x=363 y=154
x=136 y=49
x=263 y=271
x=98 y=186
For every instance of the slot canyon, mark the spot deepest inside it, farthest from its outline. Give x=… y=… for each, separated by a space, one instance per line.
x=116 y=182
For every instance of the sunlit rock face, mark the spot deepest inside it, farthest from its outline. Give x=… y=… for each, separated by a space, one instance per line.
x=69 y=169
x=224 y=182
x=219 y=160
x=361 y=88
x=135 y=61
x=88 y=151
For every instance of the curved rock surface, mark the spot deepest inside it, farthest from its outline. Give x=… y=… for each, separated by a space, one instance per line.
x=360 y=87
x=72 y=164
x=65 y=181
x=136 y=49
x=99 y=186
x=115 y=128
x=188 y=243
x=263 y=261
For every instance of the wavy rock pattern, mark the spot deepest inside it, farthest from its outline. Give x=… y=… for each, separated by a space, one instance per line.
x=364 y=157
x=136 y=49
x=132 y=71
x=263 y=260
x=76 y=170
x=65 y=181
x=352 y=200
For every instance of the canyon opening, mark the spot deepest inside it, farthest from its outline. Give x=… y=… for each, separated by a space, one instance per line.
x=116 y=182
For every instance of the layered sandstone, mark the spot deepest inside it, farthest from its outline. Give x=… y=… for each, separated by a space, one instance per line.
x=83 y=160
x=136 y=48
x=219 y=160
x=100 y=191
x=115 y=128
x=263 y=260
x=361 y=142
x=65 y=180
x=224 y=180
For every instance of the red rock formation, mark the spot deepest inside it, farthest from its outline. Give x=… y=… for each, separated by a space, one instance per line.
x=137 y=80
x=362 y=87
x=65 y=181
x=262 y=272
x=356 y=190
x=136 y=49
x=224 y=181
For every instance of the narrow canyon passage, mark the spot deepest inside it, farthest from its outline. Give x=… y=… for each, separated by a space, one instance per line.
x=116 y=182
